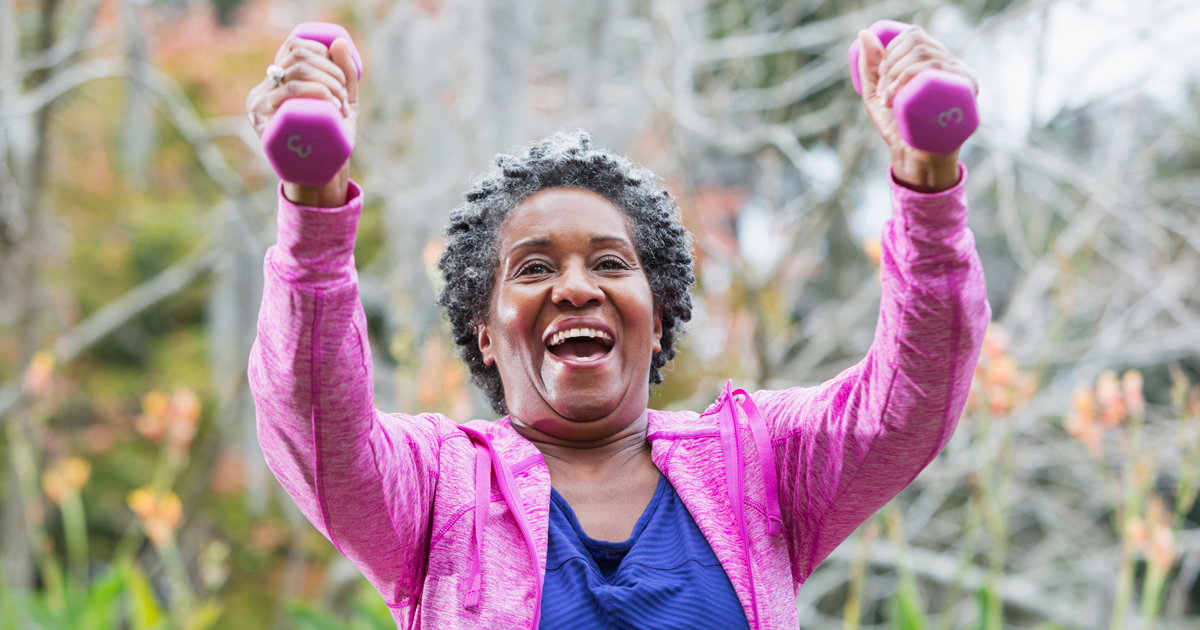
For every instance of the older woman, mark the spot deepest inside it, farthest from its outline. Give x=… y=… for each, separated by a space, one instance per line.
x=567 y=274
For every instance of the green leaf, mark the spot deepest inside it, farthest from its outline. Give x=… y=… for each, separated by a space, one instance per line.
x=204 y=617
x=103 y=604
x=144 y=612
x=370 y=611
x=907 y=612
x=310 y=619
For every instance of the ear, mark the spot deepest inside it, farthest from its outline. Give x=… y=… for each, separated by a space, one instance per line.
x=657 y=330
x=485 y=344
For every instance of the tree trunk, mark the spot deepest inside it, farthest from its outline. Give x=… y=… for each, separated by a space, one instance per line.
x=29 y=174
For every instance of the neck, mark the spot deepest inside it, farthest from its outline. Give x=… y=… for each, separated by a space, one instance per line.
x=606 y=457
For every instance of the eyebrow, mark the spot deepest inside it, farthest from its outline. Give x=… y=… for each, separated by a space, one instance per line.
x=545 y=242
x=529 y=242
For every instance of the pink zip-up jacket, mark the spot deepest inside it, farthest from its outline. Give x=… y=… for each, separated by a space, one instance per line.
x=450 y=521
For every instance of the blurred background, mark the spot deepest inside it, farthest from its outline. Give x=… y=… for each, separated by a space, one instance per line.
x=136 y=206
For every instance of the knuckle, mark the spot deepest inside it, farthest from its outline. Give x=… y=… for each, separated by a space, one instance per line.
x=298 y=55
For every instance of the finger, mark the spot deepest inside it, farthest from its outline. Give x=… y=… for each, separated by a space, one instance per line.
x=340 y=52
x=905 y=72
x=298 y=89
x=869 y=56
x=294 y=43
x=306 y=71
x=910 y=39
x=253 y=104
x=319 y=59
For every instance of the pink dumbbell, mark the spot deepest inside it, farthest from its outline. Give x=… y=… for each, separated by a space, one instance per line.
x=935 y=112
x=307 y=140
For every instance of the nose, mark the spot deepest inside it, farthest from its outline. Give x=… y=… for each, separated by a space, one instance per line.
x=577 y=288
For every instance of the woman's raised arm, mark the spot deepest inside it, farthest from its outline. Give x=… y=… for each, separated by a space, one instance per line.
x=845 y=448
x=365 y=480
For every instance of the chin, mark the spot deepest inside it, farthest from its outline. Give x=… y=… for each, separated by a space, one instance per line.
x=585 y=410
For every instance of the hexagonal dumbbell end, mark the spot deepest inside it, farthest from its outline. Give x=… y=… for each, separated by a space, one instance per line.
x=307 y=140
x=935 y=111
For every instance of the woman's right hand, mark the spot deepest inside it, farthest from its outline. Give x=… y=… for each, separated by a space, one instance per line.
x=311 y=71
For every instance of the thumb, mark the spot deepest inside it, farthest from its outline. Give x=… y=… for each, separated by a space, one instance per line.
x=339 y=51
x=869 y=57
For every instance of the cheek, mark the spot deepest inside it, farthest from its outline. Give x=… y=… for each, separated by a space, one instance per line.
x=512 y=317
x=641 y=309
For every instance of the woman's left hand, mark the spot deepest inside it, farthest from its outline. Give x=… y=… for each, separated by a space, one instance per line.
x=884 y=73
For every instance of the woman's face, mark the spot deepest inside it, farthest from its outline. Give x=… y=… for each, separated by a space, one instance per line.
x=572 y=325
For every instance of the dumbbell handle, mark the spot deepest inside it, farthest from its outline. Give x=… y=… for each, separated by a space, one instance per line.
x=308 y=140
x=935 y=111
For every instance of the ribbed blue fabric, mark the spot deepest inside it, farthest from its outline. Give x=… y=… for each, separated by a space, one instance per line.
x=665 y=577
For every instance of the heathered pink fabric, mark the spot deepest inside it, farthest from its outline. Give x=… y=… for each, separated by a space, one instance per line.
x=396 y=493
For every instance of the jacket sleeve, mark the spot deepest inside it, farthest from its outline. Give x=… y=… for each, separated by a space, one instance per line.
x=845 y=448
x=364 y=479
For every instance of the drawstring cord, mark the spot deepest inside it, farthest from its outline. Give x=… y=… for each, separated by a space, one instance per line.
x=486 y=461
x=483 y=499
x=766 y=459
x=735 y=473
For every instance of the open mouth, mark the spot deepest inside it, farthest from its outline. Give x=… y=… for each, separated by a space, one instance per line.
x=580 y=344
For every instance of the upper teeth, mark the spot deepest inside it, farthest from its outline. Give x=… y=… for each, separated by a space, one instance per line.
x=564 y=335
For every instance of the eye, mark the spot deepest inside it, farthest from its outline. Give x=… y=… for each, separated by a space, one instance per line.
x=611 y=264
x=533 y=268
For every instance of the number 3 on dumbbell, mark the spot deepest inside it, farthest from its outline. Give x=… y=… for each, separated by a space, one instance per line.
x=293 y=145
x=953 y=112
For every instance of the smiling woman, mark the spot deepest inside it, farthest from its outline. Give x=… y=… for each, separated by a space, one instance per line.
x=589 y=183
x=567 y=274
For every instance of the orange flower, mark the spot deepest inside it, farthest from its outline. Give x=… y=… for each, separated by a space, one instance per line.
x=1084 y=405
x=1081 y=424
x=1161 y=554
x=153 y=421
x=1000 y=400
x=1135 y=532
x=66 y=479
x=185 y=415
x=160 y=513
x=1157 y=538
x=1002 y=371
x=873 y=248
x=39 y=374
x=1112 y=404
x=174 y=418
x=1131 y=387
x=143 y=502
x=998 y=377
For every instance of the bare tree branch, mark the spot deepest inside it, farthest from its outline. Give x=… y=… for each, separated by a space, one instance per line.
x=116 y=314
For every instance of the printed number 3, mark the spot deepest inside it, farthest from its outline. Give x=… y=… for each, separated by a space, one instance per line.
x=943 y=119
x=293 y=144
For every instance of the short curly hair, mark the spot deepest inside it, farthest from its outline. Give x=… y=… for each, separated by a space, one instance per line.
x=565 y=159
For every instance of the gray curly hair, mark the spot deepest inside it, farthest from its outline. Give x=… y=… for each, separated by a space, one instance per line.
x=565 y=159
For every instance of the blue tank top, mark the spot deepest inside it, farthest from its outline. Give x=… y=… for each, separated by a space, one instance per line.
x=665 y=577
